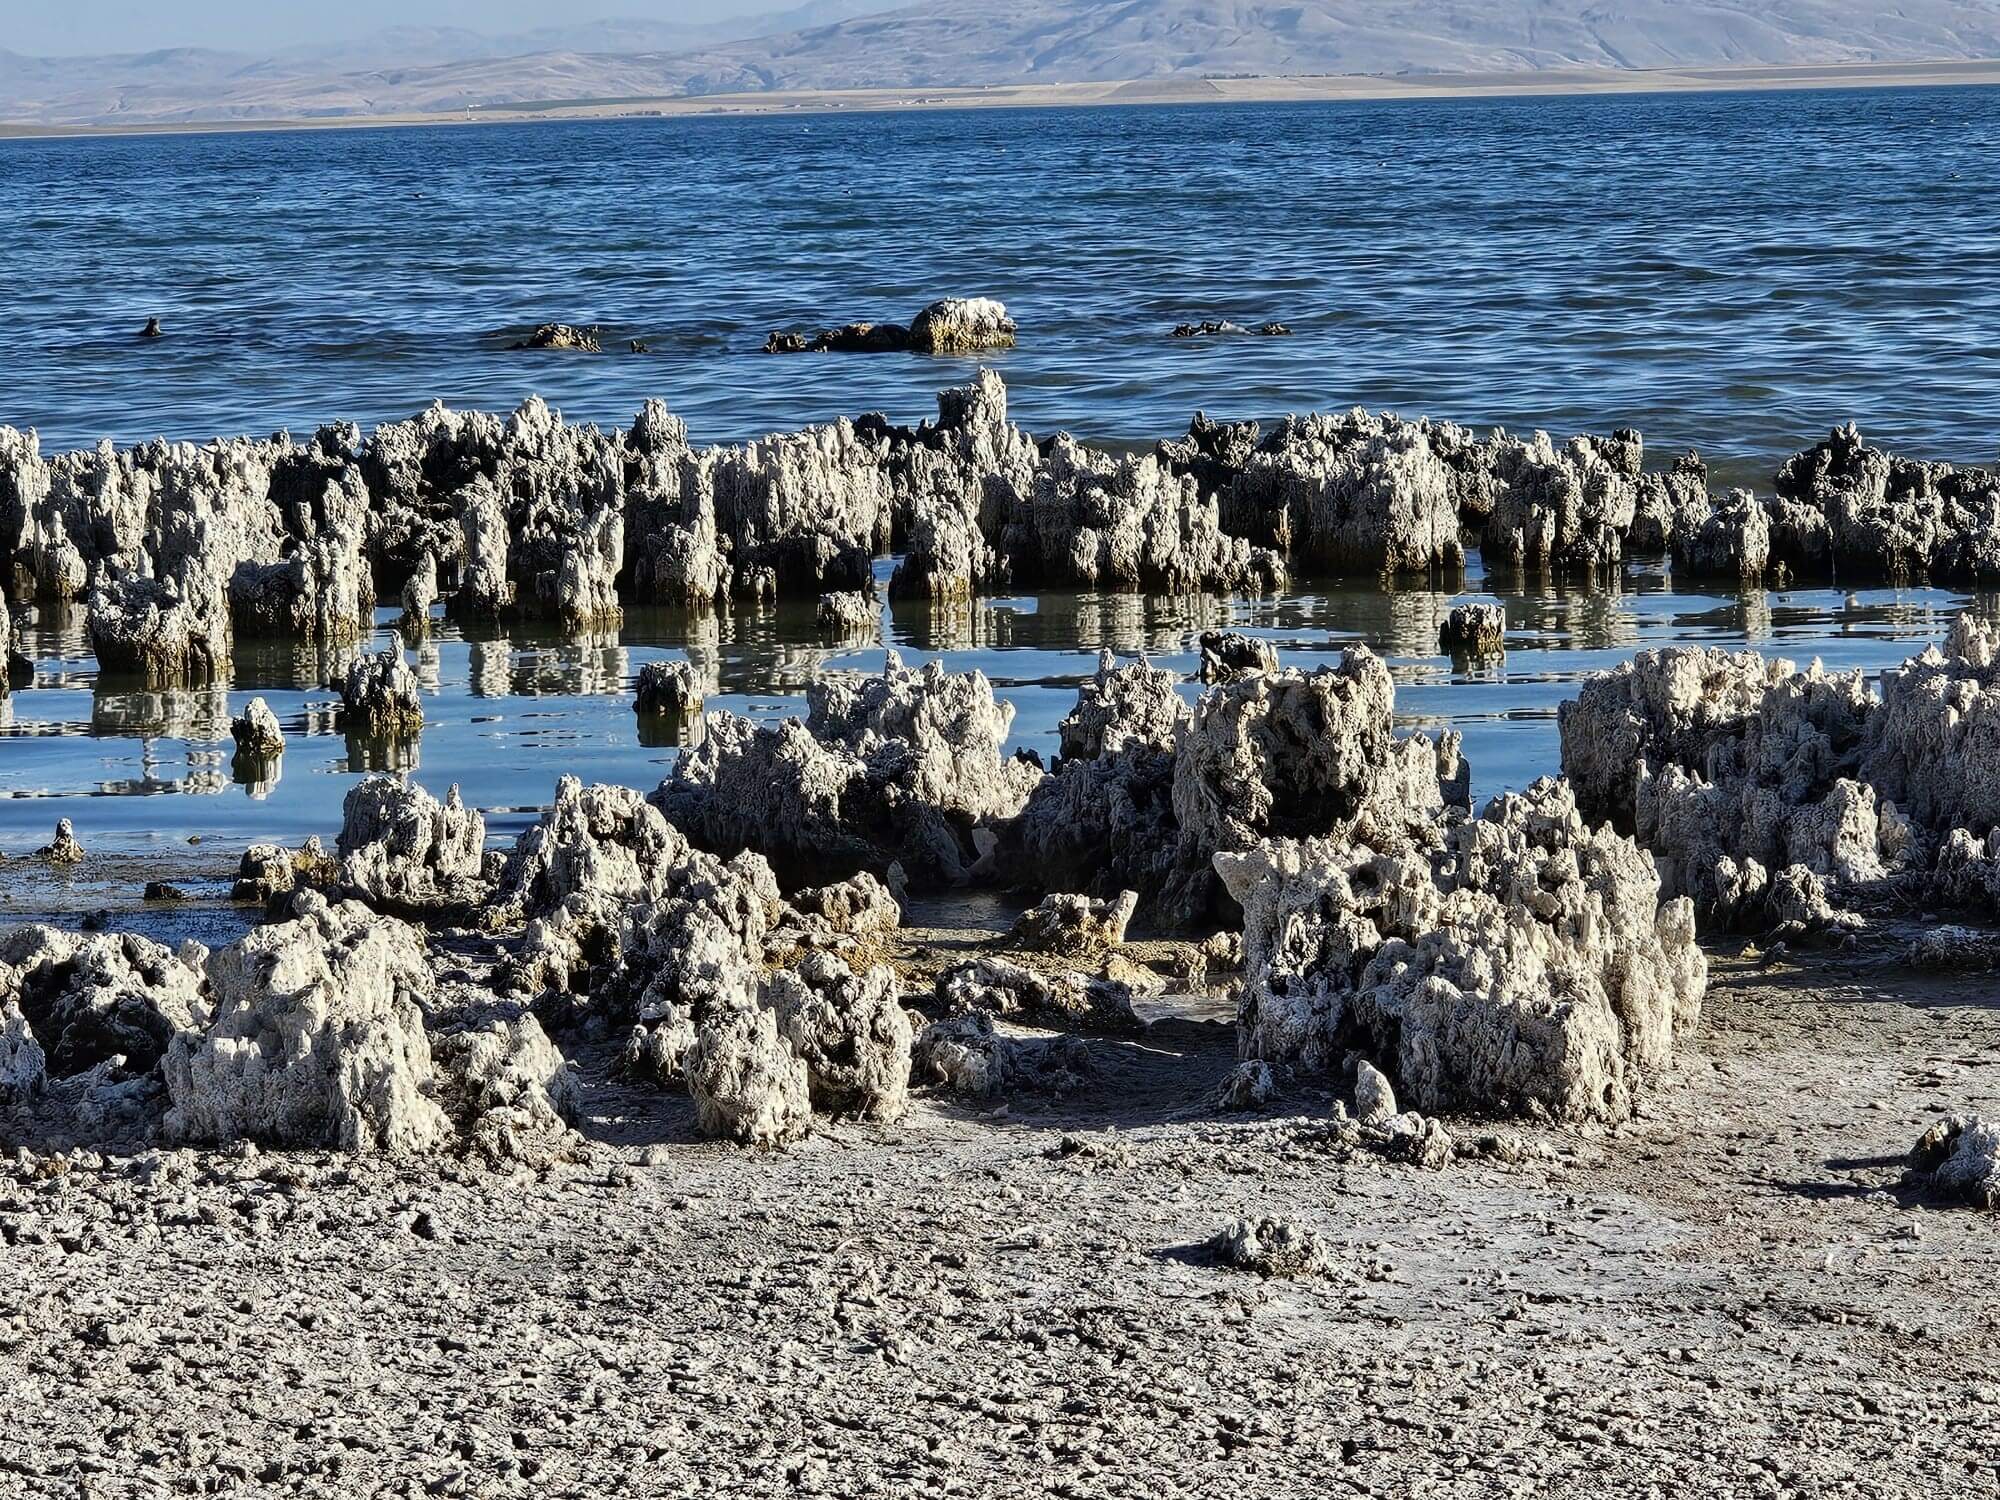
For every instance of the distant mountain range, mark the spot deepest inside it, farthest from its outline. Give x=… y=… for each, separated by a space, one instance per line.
x=839 y=44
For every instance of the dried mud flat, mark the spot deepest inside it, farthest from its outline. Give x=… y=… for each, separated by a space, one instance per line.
x=1732 y=1294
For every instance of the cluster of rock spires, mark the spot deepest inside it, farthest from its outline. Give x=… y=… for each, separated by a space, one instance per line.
x=175 y=549
x=1774 y=796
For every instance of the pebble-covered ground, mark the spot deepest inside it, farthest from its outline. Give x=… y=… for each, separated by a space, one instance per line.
x=1733 y=1295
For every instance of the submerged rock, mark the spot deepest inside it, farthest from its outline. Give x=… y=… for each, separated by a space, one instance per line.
x=562 y=336
x=671 y=688
x=380 y=699
x=962 y=325
x=1228 y=656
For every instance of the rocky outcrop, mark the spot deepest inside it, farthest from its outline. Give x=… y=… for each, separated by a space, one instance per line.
x=852 y=614
x=1123 y=707
x=905 y=767
x=1959 y=1158
x=1566 y=508
x=967 y=1055
x=511 y=1092
x=962 y=325
x=747 y=1082
x=91 y=999
x=1349 y=492
x=1859 y=513
x=1524 y=963
x=668 y=688
x=1075 y=927
x=1228 y=655
x=851 y=1033
x=562 y=336
x=1732 y=542
x=379 y=697
x=257 y=732
x=403 y=850
x=320 y=588
x=317 y=1038
x=1474 y=630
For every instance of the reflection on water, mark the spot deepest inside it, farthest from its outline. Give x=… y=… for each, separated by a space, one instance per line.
x=507 y=714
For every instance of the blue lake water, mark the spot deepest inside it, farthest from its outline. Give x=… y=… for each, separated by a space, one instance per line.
x=1730 y=272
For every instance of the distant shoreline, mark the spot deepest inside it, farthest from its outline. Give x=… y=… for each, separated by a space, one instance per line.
x=1551 y=83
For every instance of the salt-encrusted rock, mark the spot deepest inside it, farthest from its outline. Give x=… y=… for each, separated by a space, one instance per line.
x=747 y=1082
x=850 y=613
x=1123 y=707
x=1287 y=753
x=1374 y=1096
x=64 y=848
x=1347 y=491
x=513 y=1089
x=420 y=595
x=669 y=688
x=1528 y=964
x=402 y=849
x=1105 y=825
x=1227 y=655
x=849 y=338
x=257 y=732
x=379 y=697
x=903 y=767
x=1076 y=927
x=165 y=631
x=956 y=479
x=1000 y=987
x=1477 y=630
x=485 y=593
x=1960 y=1155
x=268 y=870
x=860 y=906
x=1092 y=521
x=1272 y=1247
x=100 y=998
x=1866 y=514
x=1951 y=948
x=1669 y=505
x=1250 y=1085
x=850 y=1031
x=319 y=589
x=317 y=1038
x=962 y=325
x=1732 y=542
x=563 y=336
x=606 y=884
x=1567 y=508
x=23 y=1065
x=1933 y=747
x=799 y=514
x=967 y=1056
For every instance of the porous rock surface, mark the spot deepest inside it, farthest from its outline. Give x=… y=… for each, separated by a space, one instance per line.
x=1524 y=962
x=317 y=1038
x=400 y=848
x=257 y=732
x=850 y=1031
x=903 y=767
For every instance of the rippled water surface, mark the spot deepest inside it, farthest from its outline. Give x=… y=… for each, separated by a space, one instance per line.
x=1734 y=272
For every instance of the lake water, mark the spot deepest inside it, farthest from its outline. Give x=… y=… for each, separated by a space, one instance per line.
x=1731 y=272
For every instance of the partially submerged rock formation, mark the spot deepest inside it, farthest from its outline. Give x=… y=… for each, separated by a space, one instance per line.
x=1474 y=630
x=957 y=325
x=905 y=767
x=1227 y=655
x=668 y=688
x=380 y=699
x=257 y=732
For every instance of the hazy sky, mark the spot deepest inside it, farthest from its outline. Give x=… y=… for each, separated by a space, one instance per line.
x=55 y=26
